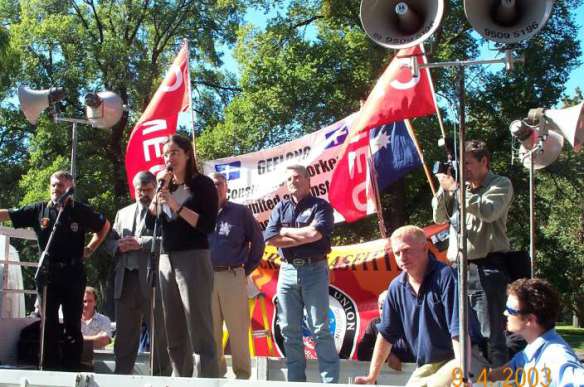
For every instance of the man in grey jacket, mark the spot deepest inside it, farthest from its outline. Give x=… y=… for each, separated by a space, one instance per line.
x=130 y=243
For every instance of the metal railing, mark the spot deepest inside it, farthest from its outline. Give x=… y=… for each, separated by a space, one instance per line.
x=7 y=233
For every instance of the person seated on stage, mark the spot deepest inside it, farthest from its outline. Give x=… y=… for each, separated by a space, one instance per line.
x=422 y=308
x=399 y=351
x=95 y=327
x=533 y=306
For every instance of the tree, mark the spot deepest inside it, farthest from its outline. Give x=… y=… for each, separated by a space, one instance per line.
x=123 y=46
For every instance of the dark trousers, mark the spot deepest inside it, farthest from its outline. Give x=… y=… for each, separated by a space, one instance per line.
x=131 y=309
x=487 y=286
x=65 y=288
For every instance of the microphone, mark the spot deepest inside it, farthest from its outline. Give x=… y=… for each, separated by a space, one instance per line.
x=162 y=182
x=70 y=191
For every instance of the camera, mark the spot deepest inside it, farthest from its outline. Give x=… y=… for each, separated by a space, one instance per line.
x=445 y=167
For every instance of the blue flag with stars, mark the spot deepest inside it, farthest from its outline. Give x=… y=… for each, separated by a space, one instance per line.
x=394 y=153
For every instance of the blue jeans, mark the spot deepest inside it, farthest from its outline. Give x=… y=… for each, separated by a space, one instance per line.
x=306 y=288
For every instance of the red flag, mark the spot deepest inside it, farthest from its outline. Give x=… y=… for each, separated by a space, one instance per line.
x=144 y=150
x=396 y=96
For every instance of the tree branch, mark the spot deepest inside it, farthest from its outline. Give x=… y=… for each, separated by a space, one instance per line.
x=219 y=87
x=307 y=21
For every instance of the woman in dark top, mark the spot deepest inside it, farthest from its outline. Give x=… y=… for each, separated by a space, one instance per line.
x=188 y=208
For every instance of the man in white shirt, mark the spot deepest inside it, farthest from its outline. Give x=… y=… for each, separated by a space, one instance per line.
x=95 y=327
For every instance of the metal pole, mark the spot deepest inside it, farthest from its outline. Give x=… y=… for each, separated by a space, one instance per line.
x=153 y=281
x=532 y=213
x=462 y=258
x=152 y=327
x=74 y=151
x=43 y=325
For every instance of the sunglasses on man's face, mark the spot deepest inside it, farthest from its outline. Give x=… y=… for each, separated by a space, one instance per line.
x=512 y=311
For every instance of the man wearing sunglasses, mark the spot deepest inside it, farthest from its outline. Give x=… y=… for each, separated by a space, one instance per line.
x=532 y=309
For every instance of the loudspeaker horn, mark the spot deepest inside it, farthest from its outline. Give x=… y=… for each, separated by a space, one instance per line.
x=400 y=24
x=33 y=102
x=104 y=109
x=570 y=122
x=508 y=21
x=550 y=144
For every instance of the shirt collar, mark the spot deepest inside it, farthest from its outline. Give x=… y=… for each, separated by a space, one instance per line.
x=532 y=349
x=302 y=201
x=430 y=268
x=487 y=180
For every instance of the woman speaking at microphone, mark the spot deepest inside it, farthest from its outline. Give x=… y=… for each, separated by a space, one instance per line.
x=187 y=201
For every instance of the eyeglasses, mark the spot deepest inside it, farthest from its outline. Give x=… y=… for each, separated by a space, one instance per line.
x=512 y=311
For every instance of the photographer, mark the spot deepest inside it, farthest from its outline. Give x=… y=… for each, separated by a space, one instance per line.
x=488 y=198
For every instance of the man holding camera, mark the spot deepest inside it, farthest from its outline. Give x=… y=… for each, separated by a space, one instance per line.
x=488 y=198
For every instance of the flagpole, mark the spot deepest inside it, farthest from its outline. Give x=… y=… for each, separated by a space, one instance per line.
x=438 y=114
x=414 y=138
x=189 y=86
x=376 y=196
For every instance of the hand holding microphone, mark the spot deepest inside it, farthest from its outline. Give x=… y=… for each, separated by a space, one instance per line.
x=163 y=195
x=164 y=178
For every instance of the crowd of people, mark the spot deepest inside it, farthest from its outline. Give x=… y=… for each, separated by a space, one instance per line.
x=209 y=245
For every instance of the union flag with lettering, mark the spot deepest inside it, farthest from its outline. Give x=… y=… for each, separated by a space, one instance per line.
x=159 y=120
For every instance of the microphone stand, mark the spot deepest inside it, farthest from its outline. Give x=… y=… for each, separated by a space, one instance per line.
x=153 y=282
x=42 y=278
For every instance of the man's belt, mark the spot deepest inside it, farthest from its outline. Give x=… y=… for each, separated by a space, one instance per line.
x=227 y=267
x=302 y=261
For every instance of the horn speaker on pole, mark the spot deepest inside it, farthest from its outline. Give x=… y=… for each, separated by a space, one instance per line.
x=507 y=21
x=400 y=24
x=104 y=109
x=570 y=122
x=33 y=102
x=550 y=144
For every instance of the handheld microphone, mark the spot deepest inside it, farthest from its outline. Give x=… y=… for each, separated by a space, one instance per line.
x=162 y=182
x=70 y=191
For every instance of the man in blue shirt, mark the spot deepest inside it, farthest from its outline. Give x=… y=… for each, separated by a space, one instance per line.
x=422 y=307
x=301 y=226
x=533 y=306
x=236 y=249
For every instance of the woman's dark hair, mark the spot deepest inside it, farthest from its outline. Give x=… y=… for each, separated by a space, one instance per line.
x=191 y=168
